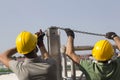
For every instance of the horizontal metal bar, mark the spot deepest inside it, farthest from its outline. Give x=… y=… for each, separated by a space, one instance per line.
x=80 y=31
x=78 y=48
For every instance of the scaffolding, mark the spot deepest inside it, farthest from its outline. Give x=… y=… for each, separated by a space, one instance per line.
x=57 y=51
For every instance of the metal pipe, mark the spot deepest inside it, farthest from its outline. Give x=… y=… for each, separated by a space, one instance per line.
x=73 y=71
x=87 y=47
x=64 y=63
x=79 y=31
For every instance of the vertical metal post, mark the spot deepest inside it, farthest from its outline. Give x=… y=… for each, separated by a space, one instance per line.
x=54 y=49
x=73 y=71
x=64 y=66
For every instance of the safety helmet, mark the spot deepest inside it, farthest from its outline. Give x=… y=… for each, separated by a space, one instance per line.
x=102 y=50
x=26 y=42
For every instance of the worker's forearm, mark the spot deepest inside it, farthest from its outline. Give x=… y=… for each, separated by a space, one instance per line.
x=43 y=51
x=117 y=41
x=70 y=50
x=10 y=52
x=70 y=46
x=5 y=57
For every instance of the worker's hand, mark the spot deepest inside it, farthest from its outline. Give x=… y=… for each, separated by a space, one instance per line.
x=110 y=35
x=69 y=32
x=40 y=36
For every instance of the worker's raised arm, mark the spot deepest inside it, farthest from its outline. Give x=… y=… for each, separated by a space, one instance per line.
x=5 y=57
x=43 y=51
x=41 y=45
x=117 y=41
x=70 y=46
x=115 y=37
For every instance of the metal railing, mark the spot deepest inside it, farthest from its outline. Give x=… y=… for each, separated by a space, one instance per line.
x=55 y=49
x=73 y=69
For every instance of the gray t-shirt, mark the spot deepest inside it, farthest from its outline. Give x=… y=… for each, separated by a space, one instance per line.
x=34 y=69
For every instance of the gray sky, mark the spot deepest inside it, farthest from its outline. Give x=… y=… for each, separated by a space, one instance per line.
x=97 y=16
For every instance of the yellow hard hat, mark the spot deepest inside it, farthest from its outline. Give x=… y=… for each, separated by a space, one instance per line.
x=102 y=50
x=26 y=42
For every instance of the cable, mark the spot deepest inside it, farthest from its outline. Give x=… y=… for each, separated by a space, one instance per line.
x=79 y=31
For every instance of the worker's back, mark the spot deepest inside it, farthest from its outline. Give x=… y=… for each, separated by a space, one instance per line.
x=34 y=69
x=101 y=71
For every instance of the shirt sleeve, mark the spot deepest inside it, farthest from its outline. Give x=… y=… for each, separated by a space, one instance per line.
x=14 y=65
x=50 y=61
x=85 y=63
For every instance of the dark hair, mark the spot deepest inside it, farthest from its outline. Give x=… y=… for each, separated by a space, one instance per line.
x=32 y=54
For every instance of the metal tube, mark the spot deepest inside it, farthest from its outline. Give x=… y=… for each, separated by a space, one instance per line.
x=64 y=63
x=73 y=71
x=87 y=47
x=54 y=49
x=80 y=31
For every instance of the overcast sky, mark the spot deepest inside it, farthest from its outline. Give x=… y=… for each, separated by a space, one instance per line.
x=97 y=16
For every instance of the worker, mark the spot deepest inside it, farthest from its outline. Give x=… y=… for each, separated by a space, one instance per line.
x=33 y=67
x=103 y=68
